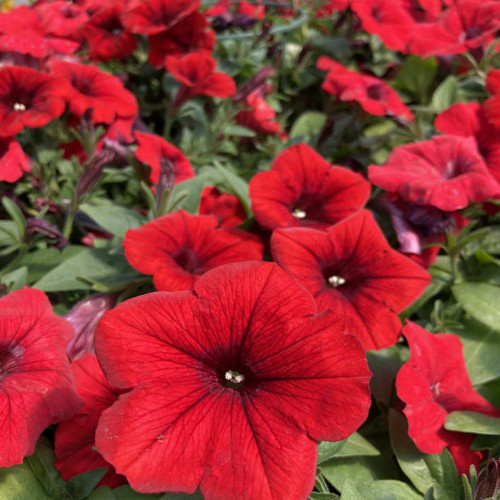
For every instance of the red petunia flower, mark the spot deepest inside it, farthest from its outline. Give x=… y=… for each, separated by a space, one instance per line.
x=351 y=269
x=261 y=117
x=423 y=11
x=469 y=120
x=22 y=31
x=178 y=248
x=155 y=151
x=433 y=383
x=446 y=172
x=303 y=189
x=191 y=34
x=29 y=98
x=232 y=385
x=196 y=72
x=13 y=160
x=492 y=105
x=36 y=382
x=75 y=438
x=151 y=17
x=387 y=19
x=105 y=35
x=226 y=207
x=94 y=89
x=62 y=19
x=466 y=25
x=373 y=94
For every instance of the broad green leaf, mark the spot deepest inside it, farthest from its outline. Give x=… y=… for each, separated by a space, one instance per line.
x=187 y=194
x=114 y=219
x=357 y=446
x=308 y=126
x=323 y=496
x=388 y=490
x=481 y=351
x=82 y=485
x=235 y=185
x=350 y=492
x=86 y=269
x=475 y=423
x=181 y=496
x=446 y=94
x=327 y=450
x=416 y=76
x=233 y=130
x=15 y=279
x=481 y=301
x=102 y=493
x=8 y=233
x=424 y=471
x=127 y=493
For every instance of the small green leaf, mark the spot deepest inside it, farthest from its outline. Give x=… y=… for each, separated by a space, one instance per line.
x=233 y=130
x=16 y=215
x=481 y=301
x=114 y=219
x=87 y=268
x=16 y=279
x=235 y=185
x=471 y=422
x=417 y=76
x=327 y=450
x=388 y=490
x=350 y=492
x=308 y=126
x=446 y=94
x=127 y=493
x=82 y=485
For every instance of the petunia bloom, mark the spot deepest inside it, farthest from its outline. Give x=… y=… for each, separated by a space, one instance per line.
x=75 y=438
x=232 y=385
x=196 y=72
x=29 y=99
x=154 y=151
x=469 y=120
x=105 y=34
x=179 y=247
x=446 y=172
x=22 y=30
x=433 y=383
x=94 y=89
x=226 y=207
x=191 y=34
x=303 y=189
x=465 y=26
x=492 y=105
x=61 y=18
x=151 y=17
x=35 y=377
x=259 y=116
x=387 y=19
x=373 y=94
x=13 y=160
x=351 y=269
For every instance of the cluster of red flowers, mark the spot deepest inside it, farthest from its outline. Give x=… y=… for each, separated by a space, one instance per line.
x=253 y=348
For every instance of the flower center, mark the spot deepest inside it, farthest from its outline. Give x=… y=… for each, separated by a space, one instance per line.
x=436 y=389
x=336 y=281
x=234 y=380
x=299 y=213
x=9 y=357
x=19 y=106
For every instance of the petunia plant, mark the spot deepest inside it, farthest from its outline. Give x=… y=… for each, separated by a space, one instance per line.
x=250 y=250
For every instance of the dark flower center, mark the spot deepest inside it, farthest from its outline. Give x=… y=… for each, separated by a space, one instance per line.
x=189 y=261
x=83 y=86
x=456 y=167
x=375 y=92
x=299 y=213
x=9 y=358
x=376 y=14
x=69 y=12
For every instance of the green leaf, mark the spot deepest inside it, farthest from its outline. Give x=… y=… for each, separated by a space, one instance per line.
x=82 y=485
x=416 y=76
x=87 y=269
x=481 y=301
x=114 y=219
x=475 y=423
x=446 y=94
x=233 y=130
x=308 y=126
x=16 y=215
x=424 y=471
x=182 y=496
x=328 y=450
x=481 y=351
x=357 y=446
x=350 y=492
x=186 y=195
x=388 y=490
x=8 y=233
x=127 y=493
x=102 y=493
x=15 y=279
x=235 y=185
